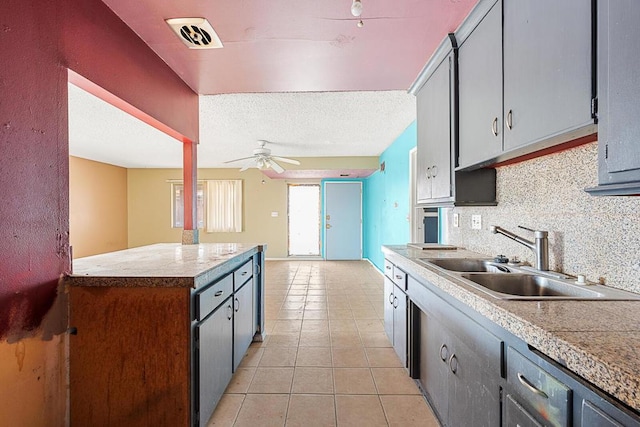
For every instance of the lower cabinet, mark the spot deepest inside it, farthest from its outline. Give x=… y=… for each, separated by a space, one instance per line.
x=214 y=353
x=396 y=310
x=243 y=322
x=475 y=373
x=460 y=363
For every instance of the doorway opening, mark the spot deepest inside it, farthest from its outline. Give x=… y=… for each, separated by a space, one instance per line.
x=303 y=219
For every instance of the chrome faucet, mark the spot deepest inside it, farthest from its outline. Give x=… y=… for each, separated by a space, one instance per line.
x=540 y=246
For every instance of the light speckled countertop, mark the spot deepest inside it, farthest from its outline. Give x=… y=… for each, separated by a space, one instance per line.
x=598 y=340
x=161 y=265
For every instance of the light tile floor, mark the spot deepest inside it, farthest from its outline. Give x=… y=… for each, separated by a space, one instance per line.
x=326 y=360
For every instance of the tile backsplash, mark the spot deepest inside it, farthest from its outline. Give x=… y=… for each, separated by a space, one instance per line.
x=595 y=236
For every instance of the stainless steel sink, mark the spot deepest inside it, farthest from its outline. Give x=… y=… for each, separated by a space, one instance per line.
x=467 y=264
x=537 y=287
x=522 y=282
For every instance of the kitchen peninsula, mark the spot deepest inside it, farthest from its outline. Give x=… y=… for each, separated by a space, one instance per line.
x=158 y=330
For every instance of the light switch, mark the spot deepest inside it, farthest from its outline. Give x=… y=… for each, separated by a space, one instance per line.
x=274 y=214
x=476 y=222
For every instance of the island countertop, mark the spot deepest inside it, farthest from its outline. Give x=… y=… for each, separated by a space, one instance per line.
x=598 y=340
x=161 y=265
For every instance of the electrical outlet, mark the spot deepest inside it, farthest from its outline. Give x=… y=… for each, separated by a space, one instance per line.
x=456 y=220
x=476 y=222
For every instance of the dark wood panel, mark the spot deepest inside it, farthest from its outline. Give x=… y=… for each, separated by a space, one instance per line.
x=129 y=362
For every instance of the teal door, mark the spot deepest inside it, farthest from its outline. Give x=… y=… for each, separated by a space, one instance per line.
x=343 y=220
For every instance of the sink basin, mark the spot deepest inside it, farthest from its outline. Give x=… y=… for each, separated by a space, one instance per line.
x=467 y=264
x=537 y=287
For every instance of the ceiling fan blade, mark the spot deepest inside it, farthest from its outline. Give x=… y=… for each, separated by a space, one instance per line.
x=237 y=160
x=248 y=165
x=276 y=167
x=285 y=160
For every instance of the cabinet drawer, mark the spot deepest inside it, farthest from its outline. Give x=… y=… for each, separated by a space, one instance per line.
x=388 y=268
x=241 y=275
x=399 y=278
x=518 y=416
x=208 y=299
x=538 y=390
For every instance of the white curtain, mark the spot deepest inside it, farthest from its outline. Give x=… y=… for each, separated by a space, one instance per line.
x=224 y=206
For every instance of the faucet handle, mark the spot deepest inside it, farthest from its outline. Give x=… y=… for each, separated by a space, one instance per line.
x=538 y=233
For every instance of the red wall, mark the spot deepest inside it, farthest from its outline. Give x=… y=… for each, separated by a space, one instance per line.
x=39 y=39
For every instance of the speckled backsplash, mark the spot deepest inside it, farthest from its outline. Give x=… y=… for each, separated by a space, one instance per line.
x=595 y=236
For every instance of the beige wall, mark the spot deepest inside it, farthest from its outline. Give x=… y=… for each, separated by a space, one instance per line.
x=33 y=374
x=150 y=204
x=97 y=207
x=595 y=236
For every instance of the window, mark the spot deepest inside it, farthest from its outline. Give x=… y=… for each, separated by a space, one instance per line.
x=224 y=206
x=177 y=205
x=219 y=205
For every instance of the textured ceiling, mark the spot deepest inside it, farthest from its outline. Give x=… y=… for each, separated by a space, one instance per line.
x=293 y=46
x=297 y=125
x=325 y=124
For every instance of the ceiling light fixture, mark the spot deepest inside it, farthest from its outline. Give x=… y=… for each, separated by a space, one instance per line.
x=356 y=8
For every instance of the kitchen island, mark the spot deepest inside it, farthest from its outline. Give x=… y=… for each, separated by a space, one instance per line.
x=157 y=331
x=591 y=345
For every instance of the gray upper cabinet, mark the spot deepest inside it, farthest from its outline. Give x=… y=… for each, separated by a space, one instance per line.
x=434 y=136
x=526 y=78
x=437 y=184
x=618 y=94
x=480 y=79
x=548 y=83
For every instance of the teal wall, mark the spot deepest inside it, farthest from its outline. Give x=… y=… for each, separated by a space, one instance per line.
x=386 y=200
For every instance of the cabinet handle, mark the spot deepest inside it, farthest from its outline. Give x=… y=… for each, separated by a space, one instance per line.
x=236 y=301
x=391 y=298
x=428 y=173
x=388 y=267
x=229 y=312
x=444 y=352
x=395 y=302
x=525 y=382
x=434 y=171
x=494 y=127
x=399 y=277
x=217 y=294
x=510 y=119
x=453 y=363
x=244 y=273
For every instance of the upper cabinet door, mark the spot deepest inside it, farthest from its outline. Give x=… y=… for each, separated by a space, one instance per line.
x=619 y=91
x=548 y=85
x=480 y=90
x=434 y=135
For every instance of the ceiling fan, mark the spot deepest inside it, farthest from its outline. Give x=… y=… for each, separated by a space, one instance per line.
x=262 y=159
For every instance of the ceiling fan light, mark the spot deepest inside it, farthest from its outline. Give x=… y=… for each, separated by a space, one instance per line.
x=356 y=8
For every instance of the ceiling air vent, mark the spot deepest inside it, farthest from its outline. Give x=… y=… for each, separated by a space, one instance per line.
x=196 y=33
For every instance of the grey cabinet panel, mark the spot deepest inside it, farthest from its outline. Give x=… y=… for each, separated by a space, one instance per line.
x=592 y=416
x=433 y=173
x=480 y=91
x=547 y=69
x=400 y=325
x=434 y=371
x=388 y=308
x=243 y=322
x=517 y=416
x=214 y=356
x=618 y=94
